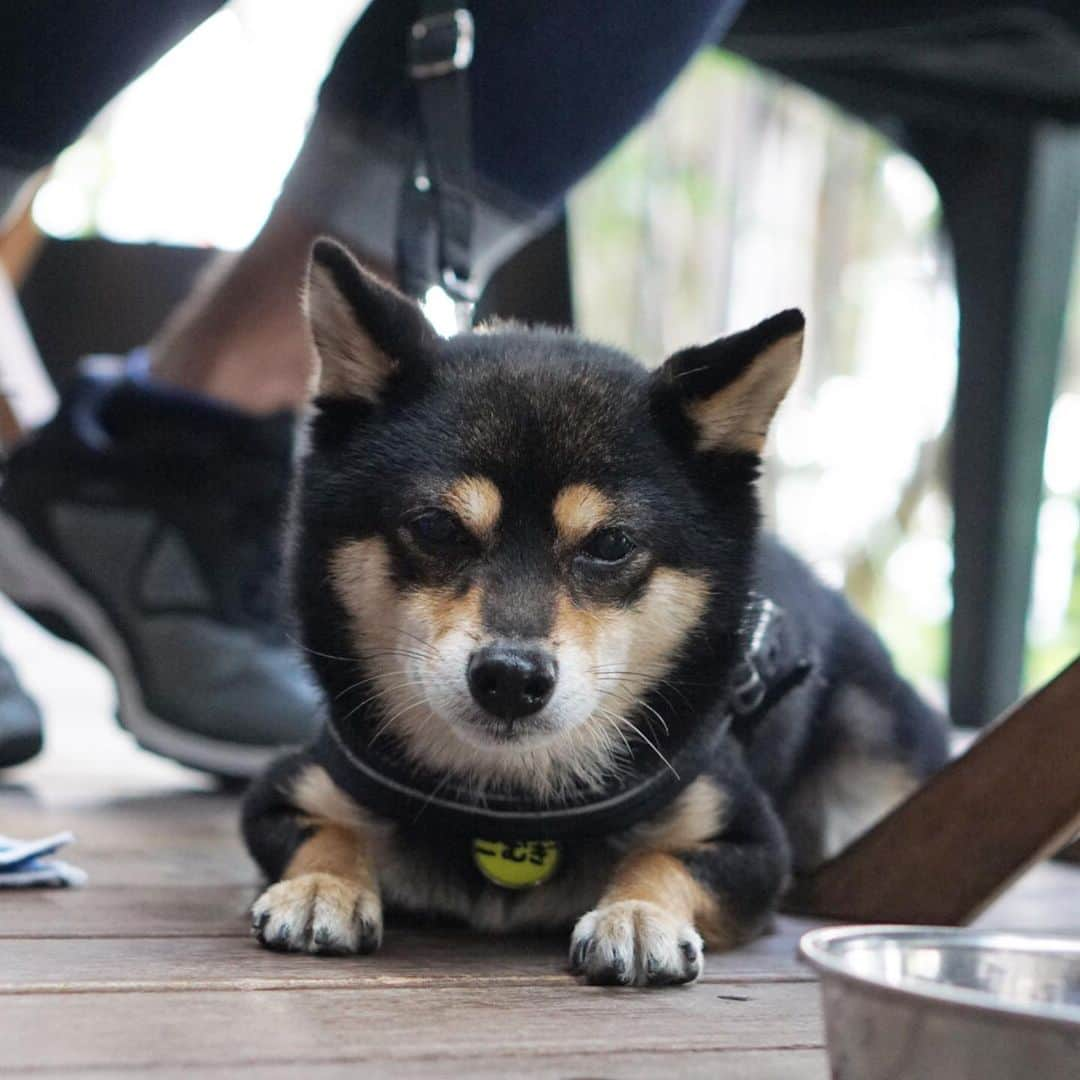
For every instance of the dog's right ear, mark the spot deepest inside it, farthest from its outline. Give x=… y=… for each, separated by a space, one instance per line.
x=368 y=338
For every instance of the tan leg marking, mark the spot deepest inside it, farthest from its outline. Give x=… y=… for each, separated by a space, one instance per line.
x=644 y=931
x=697 y=815
x=328 y=898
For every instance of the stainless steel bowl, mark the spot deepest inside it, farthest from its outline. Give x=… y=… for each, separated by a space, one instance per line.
x=913 y=1003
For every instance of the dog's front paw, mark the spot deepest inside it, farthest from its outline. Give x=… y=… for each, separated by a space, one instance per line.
x=318 y=913
x=635 y=943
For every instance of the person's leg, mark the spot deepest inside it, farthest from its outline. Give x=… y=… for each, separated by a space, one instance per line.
x=554 y=87
x=64 y=60
x=238 y=336
x=142 y=523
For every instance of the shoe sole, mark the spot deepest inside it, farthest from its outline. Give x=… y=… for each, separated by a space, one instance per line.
x=49 y=595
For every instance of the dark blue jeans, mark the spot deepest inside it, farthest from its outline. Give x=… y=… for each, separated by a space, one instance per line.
x=555 y=84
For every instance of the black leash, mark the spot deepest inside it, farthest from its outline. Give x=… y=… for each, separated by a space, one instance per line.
x=435 y=216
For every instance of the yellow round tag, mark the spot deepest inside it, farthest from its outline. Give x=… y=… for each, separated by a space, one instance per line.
x=519 y=864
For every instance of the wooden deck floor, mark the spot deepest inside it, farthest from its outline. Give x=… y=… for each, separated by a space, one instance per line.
x=150 y=968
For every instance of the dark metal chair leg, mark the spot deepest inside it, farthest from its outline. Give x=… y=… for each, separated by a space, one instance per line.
x=1010 y=203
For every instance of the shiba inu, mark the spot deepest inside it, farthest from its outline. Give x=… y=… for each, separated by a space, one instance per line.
x=570 y=684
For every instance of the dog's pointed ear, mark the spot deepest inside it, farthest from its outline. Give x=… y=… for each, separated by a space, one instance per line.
x=367 y=336
x=722 y=397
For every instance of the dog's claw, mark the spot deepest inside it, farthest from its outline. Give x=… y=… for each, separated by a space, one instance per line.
x=577 y=957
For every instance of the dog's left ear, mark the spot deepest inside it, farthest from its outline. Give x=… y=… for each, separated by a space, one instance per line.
x=368 y=337
x=724 y=395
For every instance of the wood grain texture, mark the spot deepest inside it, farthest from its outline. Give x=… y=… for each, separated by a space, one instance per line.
x=457 y=1024
x=970 y=831
x=126 y=911
x=408 y=957
x=498 y=1064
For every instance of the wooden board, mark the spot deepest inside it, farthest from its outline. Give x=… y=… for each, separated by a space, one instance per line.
x=408 y=957
x=790 y=1064
x=456 y=1023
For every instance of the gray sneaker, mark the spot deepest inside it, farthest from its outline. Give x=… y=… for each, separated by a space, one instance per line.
x=144 y=525
x=20 y=721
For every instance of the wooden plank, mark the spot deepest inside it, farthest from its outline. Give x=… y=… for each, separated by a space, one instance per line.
x=967 y=833
x=175 y=838
x=139 y=823
x=1046 y=898
x=176 y=866
x=173 y=910
x=154 y=964
x=458 y=1025
x=409 y=956
x=611 y=1064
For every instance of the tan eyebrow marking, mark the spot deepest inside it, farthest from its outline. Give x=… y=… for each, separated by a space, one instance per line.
x=578 y=510
x=476 y=500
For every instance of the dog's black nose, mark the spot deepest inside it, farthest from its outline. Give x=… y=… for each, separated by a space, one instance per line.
x=510 y=681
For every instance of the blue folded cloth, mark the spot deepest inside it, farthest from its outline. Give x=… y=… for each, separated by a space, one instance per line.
x=28 y=862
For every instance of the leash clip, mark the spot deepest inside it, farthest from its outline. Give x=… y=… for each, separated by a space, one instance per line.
x=748 y=691
x=441 y=44
x=463 y=293
x=750 y=679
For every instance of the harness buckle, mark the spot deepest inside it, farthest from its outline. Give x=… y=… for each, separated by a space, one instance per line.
x=748 y=689
x=441 y=44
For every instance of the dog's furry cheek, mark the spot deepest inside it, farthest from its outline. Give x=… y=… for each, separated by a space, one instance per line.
x=664 y=619
x=637 y=646
x=360 y=575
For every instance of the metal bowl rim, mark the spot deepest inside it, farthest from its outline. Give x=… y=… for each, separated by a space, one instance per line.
x=814 y=948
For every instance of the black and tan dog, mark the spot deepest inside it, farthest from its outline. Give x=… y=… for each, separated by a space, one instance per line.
x=569 y=685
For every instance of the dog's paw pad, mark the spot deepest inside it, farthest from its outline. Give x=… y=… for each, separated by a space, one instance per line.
x=635 y=943
x=318 y=913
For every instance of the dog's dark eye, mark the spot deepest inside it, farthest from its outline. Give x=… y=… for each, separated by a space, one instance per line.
x=608 y=545
x=435 y=529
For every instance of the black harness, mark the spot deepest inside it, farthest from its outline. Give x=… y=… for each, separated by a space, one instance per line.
x=774 y=661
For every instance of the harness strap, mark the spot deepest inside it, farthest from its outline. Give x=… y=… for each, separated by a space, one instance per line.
x=435 y=217
x=429 y=806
